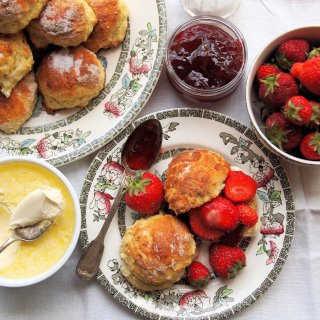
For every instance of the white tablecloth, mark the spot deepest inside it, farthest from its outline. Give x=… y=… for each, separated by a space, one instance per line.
x=295 y=293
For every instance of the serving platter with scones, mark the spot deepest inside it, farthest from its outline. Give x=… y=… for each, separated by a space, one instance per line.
x=146 y=258
x=74 y=73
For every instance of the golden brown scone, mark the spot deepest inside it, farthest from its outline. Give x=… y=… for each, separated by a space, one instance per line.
x=112 y=24
x=70 y=77
x=16 y=61
x=155 y=252
x=17 y=109
x=193 y=178
x=63 y=23
x=17 y=14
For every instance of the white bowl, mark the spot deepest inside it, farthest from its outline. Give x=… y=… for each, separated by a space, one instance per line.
x=311 y=33
x=5 y=282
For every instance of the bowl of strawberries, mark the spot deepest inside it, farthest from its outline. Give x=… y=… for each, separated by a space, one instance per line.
x=283 y=96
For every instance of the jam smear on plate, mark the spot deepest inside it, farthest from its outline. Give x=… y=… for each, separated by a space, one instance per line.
x=206 y=57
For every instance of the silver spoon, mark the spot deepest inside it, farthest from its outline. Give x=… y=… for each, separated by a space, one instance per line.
x=139 y=153
x=28 y=233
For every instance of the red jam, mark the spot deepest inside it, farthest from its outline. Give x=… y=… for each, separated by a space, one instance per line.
x=205 y=56
x=143 y=145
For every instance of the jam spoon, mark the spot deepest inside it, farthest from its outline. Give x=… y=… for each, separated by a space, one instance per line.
x=139 y=153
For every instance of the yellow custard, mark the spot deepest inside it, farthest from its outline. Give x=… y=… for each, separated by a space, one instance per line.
x=17 y=180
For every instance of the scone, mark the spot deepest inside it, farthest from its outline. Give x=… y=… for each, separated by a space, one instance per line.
x=112 y=24
x=17 y=14
x=155 y=252
x=63 y=23
x=70 y=77
x=17 y=109
x=193 y=178
x=16 y=61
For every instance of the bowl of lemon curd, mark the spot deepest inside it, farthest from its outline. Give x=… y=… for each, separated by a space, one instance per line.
x=31 y=183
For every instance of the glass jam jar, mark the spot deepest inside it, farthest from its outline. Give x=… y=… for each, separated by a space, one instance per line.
x=206 y=58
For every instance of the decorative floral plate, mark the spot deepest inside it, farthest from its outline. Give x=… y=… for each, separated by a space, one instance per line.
x=266 y=252
x=132 y=72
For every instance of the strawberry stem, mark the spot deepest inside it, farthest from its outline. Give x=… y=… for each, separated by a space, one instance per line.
x=271 y=82
x=137 y=184
x=315 y=143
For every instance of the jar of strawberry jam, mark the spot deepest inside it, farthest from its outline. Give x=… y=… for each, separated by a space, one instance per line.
x=206 y=58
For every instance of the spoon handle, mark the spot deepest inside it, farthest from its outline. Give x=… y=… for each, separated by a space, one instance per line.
x=89 y=262
x=10 y=240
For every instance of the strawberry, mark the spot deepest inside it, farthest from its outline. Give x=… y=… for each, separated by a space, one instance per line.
x=234 y=237
x=298 y=110
x=315 y=118
x=308 y=73
x=198 y=275
x=310 y=146
x=275 y=90
x=219 y=213
x=266 y=69
x=291 y=51
x=144 y=193
x=200 y=227
x=226 y=261
x=247 y=215
x=239 y=187
x=281 y=132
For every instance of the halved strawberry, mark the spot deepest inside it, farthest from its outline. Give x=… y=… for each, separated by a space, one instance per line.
x=239 y=187
x=220 y=213
x=234 y=237
x=201 y=228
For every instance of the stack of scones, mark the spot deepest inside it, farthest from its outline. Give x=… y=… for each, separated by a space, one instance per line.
x=70 y=32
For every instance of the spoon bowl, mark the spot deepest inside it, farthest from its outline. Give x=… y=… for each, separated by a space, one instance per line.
x=142 y=146
x=138 y=153
x=27 y=233
x=31 y=233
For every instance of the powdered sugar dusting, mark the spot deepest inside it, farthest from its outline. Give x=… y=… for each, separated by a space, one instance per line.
x=9 y=7
x=185 y=170
x=54 y=24
x=1 y=55
x=91 y=71
x=63 y=62
x=27 y=88
x=32 y=86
